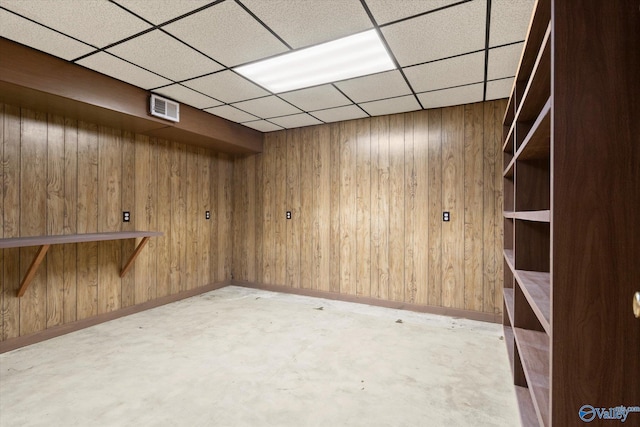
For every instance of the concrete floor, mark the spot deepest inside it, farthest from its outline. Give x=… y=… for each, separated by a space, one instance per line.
x=242 y=357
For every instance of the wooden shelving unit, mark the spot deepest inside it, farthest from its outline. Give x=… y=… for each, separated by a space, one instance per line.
x=571 y=132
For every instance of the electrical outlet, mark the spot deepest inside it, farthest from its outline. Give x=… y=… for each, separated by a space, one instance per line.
x=126 y=216
x=288 y=214
x=207 y=215
x=445 y=216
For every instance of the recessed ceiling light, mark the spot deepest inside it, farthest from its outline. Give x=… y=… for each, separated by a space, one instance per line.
x=353 y=56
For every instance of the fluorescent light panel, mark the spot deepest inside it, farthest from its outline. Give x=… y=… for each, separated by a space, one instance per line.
x=353 y=56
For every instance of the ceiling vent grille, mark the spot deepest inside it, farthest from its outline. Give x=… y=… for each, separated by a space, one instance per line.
x=164 y=108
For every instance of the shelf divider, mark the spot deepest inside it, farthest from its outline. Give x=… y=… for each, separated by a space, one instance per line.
x=536 y=144
x=539 y=87
x=536 y=287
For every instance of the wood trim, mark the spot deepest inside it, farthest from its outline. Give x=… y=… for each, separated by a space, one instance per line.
x=36 y=80
x=18 y=342
x=20 y=242
x=443 y=311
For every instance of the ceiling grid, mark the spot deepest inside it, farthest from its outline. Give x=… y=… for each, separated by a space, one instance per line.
x=447 y=52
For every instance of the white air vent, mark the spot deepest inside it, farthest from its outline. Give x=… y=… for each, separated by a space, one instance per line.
x=164 y=108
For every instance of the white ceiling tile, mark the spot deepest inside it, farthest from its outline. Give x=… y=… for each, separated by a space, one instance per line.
x=453 y=31
x=96 y=22
x=454 y=96
x=303 y=23
x=391 y=106
x=227 y=33
x=164 y=55
x=161 y=11
x=231 y=113
x=387 y=11
x=296 y=121
x=270 y=106
x=262 y=126
x=316 y=98
x=347 y=112
x=456 y=71
x=503 y=61
x=497 y=89
x=375 y=86
x=509 y=21
x=226 y=86
x=27 y=33
x=117 y=68
x=187 y=96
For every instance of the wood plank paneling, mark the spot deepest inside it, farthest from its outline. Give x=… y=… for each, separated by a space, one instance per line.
x=225 y=240
x=396 y=207
x=163 y=243
x=421 y=236
x=307 y=207
x=69 y=271
x=109 y=218
x=322 y=226
x=367 y=198
x=213 y=235
x=292 y=203
x=33 y=175
x=65 y=177
x=193 y=187
x=473 y=206
x=55 y=219
x=87 y=217
x=281 y=206
x=374 y=191
x=435 y=208
x=140 y=214
x=259 y=223
x=348 y=266
x=383 y=201
x=178 y=214
x=453 y=202
x=410 y=220
x=11 y=197
x=334 y=212
x=205 y=224
x=269 y=209
x=128 y=194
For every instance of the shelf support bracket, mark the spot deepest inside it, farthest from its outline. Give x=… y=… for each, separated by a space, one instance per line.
x=134 y=255
x=31 y=272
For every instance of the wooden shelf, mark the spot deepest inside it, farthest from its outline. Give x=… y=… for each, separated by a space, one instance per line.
x=528 y=415
x=538 y=89
x=535 y=216
x=536 y=144
x=533 y=347
x=536 y=287
x=44 y=242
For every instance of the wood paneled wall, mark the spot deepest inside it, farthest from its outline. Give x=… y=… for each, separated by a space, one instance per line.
x=367 y=198
x=60 y=176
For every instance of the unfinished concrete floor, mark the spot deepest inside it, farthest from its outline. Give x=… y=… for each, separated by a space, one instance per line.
x=242 y=357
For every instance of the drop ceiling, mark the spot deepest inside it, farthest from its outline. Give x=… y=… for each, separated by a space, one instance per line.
x=447 y=52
